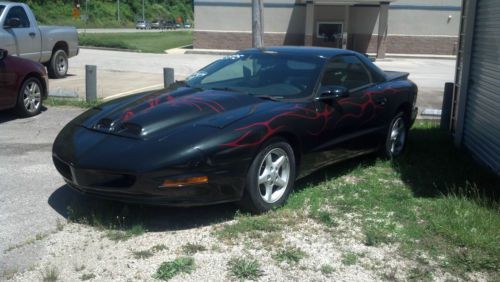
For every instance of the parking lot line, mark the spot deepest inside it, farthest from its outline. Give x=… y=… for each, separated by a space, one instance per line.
x=132 y=91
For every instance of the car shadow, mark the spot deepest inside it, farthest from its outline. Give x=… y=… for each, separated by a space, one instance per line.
x=77 y=207
x=10 y=115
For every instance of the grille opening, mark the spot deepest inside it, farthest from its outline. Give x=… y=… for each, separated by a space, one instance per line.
x=93 y=178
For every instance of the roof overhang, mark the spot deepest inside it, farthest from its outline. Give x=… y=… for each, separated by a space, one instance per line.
x=347 y=2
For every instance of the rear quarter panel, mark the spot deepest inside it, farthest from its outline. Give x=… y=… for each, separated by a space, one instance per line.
x=51 y=35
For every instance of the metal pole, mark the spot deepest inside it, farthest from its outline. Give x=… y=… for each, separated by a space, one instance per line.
x=90 y=83
x=257 y=23
x=143 y=11
x=118 y=3
x=86 y=15
x=168 y=77
x=447 y=104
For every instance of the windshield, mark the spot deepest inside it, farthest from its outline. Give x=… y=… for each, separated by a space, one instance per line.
x=269 y=74
x=1 y=9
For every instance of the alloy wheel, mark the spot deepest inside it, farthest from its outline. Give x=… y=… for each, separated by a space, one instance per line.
x=32 y=97
x=274 y=175
x=398 y=136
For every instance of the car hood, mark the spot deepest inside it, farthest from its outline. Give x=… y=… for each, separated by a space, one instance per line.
x=159 y=114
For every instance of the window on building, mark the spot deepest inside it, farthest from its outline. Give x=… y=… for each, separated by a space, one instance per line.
x=330 y=31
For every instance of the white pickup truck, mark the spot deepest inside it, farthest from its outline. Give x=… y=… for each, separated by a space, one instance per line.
x=20 y=35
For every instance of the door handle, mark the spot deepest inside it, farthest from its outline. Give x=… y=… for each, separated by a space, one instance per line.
x=32 y=34
x=381 y=101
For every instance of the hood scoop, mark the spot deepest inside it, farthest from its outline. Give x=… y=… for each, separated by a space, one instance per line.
x=128 y=129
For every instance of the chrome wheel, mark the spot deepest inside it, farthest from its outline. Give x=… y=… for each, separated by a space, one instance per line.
x=274 y=175
x=61 y=64
x=398 y=137
x=32 y=97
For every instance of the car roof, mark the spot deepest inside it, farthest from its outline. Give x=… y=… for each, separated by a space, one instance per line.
x=304 y=50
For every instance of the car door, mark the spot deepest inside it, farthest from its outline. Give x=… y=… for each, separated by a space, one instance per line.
x=26 y=36
x=8 y=83
x=359 y=111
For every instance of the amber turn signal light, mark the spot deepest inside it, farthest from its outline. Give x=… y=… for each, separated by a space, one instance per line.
x=169 y=183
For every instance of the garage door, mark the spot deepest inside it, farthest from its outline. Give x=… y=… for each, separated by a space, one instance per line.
x=482 y=113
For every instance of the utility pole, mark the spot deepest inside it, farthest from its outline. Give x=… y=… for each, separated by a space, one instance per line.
x=143 y=11
x=257 y=23
x=118 y=9
x=86 y=15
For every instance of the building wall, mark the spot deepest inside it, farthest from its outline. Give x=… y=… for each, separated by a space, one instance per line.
x=226 y=24
x=423 y=26
x=414 y=26
x=363 y=29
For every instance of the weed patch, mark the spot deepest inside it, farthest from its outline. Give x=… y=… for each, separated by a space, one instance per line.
x=191 y=249
x=50 y=274
x=244 y=269
x=169 y=269
x=289 y=255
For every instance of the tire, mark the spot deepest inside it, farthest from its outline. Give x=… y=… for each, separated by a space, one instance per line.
x=396 y=137
x=58 y=65
x=29 y=98
x=276 y=182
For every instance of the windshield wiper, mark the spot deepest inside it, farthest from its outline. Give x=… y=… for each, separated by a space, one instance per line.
x=227 y=89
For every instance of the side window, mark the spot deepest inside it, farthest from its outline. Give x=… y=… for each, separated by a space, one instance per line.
x=18 y=12
x=347 y=71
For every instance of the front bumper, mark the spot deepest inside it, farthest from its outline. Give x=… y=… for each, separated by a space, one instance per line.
x=145 y=188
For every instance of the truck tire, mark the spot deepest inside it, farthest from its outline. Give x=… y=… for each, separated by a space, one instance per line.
x=58 y=64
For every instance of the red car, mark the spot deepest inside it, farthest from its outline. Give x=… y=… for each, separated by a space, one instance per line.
x=23 y=84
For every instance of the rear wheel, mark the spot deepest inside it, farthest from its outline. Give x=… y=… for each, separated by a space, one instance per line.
x=29 y=100
x=270 y=178
x=58 y=65
x=395 y=140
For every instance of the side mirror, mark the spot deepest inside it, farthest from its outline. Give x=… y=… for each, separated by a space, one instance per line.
x=334 y=92
x=12 y=23
x=3 y=54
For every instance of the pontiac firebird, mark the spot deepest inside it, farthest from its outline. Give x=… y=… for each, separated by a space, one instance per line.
x=242 y=129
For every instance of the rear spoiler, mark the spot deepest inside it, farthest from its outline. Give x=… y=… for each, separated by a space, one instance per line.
x=396 y=75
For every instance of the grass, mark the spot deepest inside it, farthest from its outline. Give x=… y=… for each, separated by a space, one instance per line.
x=150 y=42
x=244 y=269
x=327 y=269
x=289 y=255
x=149 y=253
x=434 y=199
x=170 y=269
x=143 y=254
x=87 y=276
x=50 y=274
x=349 y=258
x=51 y=101
x=116 y=219
x=191 y=249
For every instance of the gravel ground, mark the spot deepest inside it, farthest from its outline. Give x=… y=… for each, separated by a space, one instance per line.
x=76 y=250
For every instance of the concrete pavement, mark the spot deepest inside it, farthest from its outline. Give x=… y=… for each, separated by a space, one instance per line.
x=122 y=73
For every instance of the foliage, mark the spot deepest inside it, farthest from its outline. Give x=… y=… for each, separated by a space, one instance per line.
x=103 y=13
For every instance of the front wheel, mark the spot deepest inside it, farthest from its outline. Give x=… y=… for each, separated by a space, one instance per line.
x=270 y=178
x=58 y=65
x=395 y=140
x=29 y=100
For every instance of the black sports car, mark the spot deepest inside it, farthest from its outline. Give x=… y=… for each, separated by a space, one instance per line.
x=244 y=128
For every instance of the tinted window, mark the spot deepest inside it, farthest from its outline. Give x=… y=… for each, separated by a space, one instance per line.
x=18 y=12
x=1 y=9
x=347 y=71
x=270 y=74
